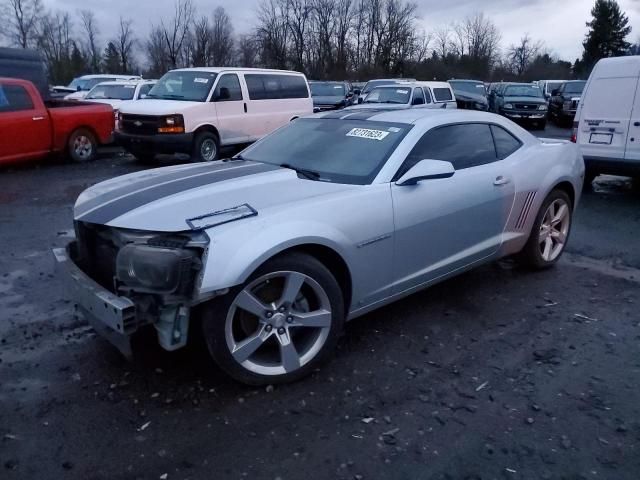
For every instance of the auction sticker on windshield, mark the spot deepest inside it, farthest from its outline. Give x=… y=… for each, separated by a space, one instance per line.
x=367 y=133
x=201 y=80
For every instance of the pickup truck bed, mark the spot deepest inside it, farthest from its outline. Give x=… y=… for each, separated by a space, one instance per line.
x=32 y=128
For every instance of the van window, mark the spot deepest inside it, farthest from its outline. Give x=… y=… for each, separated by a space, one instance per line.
x=14 y=98
x=232 y=84
x=427 y=95
x=442 y=94
x=268 y=86
x=418 y=96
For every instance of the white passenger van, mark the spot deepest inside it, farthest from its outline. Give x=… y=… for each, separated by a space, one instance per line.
x=198 y=110
x=607 y=122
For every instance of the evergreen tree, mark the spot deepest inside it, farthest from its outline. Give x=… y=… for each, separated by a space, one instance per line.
x=111 y=59
x=607 y=33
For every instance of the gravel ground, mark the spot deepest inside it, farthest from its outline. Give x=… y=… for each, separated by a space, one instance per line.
x=497 y=374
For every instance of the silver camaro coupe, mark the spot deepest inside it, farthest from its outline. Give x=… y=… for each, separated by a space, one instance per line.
x=334 y=215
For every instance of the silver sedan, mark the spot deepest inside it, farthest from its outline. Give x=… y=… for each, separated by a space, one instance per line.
x=320 y=222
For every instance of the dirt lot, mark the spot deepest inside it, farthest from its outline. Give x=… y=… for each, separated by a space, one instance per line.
x=497 y=374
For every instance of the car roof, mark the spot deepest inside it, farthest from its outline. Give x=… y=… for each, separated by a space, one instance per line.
x=436 y=116
x=464 y=80
x=106 y=75
x=339 y=82
x=232 y=69
x=416 y=83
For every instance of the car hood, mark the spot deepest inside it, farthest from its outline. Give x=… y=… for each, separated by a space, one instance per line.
x=538 y=100
x=380 y=106
x=164 y=199
x=114 y=102
x=154 y=106
x=328 y=100
x=76 y=95
x=470 y=97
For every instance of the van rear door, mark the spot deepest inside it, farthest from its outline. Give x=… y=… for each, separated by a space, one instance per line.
x=605 y=110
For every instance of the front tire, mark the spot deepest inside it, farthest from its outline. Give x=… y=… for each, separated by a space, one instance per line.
x=279 y=325
x=206 y=147
x=82 y=146
x=549 y=233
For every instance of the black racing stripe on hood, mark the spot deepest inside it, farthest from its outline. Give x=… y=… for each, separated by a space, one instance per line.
x=117 y=207
x=141 y=184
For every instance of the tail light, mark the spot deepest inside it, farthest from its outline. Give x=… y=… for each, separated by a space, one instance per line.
x=574 y=133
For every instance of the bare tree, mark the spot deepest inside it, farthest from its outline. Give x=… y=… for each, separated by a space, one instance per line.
x=221 y=38
x=246 y=51
x=157 y=52
x=90 y=33
x=272 y=32
x=521 y=55
x=175 y=32
x=442 y=40
x=124 y=44
x=56 y=45
x=22 y=21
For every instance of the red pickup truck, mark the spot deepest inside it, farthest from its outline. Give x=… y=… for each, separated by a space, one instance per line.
x=31 y=128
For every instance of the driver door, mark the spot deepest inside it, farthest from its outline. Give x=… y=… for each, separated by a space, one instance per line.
x=230 y=109
x=442 y=225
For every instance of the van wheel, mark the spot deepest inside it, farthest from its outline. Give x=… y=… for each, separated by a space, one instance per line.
x=278 y=326
x=206 y=147
x=82 y=146
x=549 y=233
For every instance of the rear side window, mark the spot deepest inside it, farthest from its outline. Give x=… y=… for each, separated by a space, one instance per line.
x=464 y=145
x=442 y=94
x=14 y=98
x=269 y=87
x=506 y=143
x=233 y=92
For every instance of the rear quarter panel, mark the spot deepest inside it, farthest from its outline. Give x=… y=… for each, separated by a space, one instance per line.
x=67 y=117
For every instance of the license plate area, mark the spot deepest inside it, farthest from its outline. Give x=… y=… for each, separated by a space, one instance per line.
x=601 y=138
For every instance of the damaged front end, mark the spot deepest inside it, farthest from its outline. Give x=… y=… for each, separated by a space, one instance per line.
x=123 y=280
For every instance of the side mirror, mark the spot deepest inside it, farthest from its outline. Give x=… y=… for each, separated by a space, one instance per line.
x=78 y=89
x=426 y=170
x=223 y=94
x=356 y=91
x=360 y=99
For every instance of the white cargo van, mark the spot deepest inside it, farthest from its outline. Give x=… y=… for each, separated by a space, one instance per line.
x=198 y=110
x=607 y=122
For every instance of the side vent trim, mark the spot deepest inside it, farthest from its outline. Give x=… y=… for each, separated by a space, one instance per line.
x=526 y=208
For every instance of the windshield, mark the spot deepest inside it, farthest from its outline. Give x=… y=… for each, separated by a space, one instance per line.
x=574 y=87
x=376 y=83
x=522 y=91
x=327 y=89
x=116 y=92
x=551 y=86
x=469 y=87
x=389 y=95
x=339 y=151
x=183 y=85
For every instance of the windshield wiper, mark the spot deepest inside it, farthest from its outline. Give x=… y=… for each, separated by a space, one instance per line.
x=310 y=174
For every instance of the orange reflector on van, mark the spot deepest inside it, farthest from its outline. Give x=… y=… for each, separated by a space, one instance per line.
x=170 y=129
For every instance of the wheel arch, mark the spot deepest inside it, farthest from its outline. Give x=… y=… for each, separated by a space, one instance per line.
x=568 y=188
x=207 y=128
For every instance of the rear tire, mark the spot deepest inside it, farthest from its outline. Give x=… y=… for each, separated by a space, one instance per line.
x=279 y=325
x=549 y=233
x=82 y=146
x=206 y=147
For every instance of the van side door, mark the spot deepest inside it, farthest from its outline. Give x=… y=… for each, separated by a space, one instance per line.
x=230 y=109
x=632 y=150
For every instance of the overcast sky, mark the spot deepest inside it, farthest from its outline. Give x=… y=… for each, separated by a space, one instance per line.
x=559 y=23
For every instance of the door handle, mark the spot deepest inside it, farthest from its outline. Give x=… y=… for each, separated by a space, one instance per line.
x=636 y=124
x=501 y=180
x=245 y=107
x=35 y=119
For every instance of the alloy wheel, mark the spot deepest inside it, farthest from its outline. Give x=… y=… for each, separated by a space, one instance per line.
x=83 y=147
x=278 y=323
x=554 y=230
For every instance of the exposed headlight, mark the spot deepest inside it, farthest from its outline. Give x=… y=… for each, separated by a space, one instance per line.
x=542 y=107
x=508 y=105
x=171 y=124
x=154 y=269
